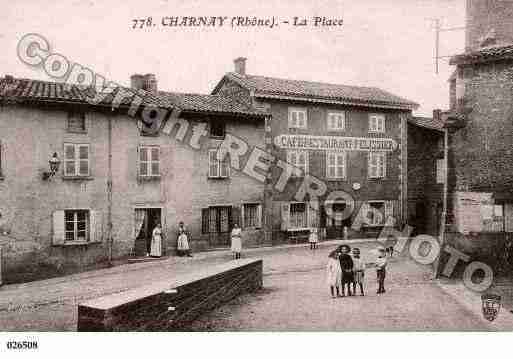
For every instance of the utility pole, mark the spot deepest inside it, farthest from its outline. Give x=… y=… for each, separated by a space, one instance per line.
x=109 y=191
x=437 y=43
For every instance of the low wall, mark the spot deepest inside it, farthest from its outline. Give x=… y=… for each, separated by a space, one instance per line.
x=173 y=304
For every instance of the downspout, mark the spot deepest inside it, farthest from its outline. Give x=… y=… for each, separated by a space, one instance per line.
x=267 y=210
x=109 y=192
x=444 y=200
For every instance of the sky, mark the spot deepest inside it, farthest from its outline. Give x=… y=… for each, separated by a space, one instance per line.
x=383 y=43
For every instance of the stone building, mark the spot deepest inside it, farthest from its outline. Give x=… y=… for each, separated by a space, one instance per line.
x=333 y=138
x=480 y=122
x=116 y=170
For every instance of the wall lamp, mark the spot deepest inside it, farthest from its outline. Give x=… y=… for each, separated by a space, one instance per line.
x=54 y=167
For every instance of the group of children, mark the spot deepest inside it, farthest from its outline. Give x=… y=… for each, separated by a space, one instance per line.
x=346 y=269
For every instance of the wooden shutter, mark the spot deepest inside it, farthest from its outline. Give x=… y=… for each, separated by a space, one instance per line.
x=83 y=160
x=508 y=217
x=58 y=228
x=96 y=226
x=1 y=152
x=205 y=220
x=224 y=167
x=69 y=160
x=259 y=216
x=389 y=210
x=312 y=215
x=285 y=216
x=213 y=164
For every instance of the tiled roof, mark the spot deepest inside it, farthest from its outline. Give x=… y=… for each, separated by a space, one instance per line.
x=318 y=91
x=484 y=55
x=208 y=103
x=426 y=122
x=27 y=90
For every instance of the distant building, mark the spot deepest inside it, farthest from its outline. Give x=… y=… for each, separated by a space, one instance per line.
x=350 y=138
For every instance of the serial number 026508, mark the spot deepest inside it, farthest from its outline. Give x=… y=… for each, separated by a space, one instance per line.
x=21 y=345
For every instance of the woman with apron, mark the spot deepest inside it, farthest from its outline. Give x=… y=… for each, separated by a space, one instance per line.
x=236 y=241
x=183 y=241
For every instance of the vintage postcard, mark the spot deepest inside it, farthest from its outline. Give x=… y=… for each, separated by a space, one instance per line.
x=241 y=166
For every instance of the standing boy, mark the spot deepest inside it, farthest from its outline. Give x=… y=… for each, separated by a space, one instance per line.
x=358 y=270
x=381 y=265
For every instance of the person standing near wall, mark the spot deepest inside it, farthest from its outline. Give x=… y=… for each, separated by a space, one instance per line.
x=183 y=241
x=156 y=241
x=236 y=237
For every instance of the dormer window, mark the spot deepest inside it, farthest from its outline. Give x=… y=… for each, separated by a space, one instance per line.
x=217 y=129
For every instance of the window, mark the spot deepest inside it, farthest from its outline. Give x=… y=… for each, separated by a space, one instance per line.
x=336 y=164
x=216 y=219
x=76 y=225
x=217 y=129
x=76 y=121
x=299 y=159
x=76 y=160
x=375 y=215
x=1 y=154
x=297 y=118
x=216 y=168
x=377 y=123
x=440 y=171
x=298 y=215
x=377 y=164
x=336 y=121
x=252 y=215
x=149 y=161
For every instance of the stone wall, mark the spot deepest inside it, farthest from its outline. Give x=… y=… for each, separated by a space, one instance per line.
x=152 y=309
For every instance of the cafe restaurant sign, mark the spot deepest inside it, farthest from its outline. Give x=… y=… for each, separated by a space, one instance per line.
x=335 y=143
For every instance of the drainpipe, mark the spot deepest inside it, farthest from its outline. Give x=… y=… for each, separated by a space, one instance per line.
x=109 y=191
x=1 y=262
x=267 y=210
x=444 y=200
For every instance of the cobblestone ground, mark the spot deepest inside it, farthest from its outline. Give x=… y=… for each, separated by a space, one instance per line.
x=295 y=296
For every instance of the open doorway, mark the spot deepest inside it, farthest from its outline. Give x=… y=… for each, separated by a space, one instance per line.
x=336 y=221
x=145 y=221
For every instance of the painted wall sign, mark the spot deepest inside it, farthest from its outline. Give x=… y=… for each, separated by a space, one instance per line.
x=335 y=143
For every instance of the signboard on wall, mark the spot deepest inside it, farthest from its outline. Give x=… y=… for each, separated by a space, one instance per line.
x=471 y=210
x=335 y=143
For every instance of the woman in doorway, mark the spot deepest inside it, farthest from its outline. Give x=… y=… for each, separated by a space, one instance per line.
x=236 y=241
x=156 y=241
x=183 y=241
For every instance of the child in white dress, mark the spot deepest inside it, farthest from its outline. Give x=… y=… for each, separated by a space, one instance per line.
x=333 y=273
x=313 y=238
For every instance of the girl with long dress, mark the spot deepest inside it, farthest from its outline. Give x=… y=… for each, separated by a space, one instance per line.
x=156 y=242
x=236 y=241
x=183 y=241
x=333 y=273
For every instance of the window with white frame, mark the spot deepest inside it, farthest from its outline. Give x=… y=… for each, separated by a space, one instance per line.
x=336 y=164
x=299 y=159
x=377 y=123
x=149 y=161
x=440 y=171
x=217 y=168
x=252 y=215
x=298 y=117
x=76 y=160
x=298 y=215
x=377 y=164
x=336 y=121
x=76 y=225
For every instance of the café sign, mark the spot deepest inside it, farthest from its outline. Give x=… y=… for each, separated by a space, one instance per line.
x=335 y=143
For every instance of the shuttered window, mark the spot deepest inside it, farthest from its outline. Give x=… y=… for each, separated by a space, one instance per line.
x=216 y=168
x=377 y=123
x=377 y=164
x=252 y=215
x=298 y=118
x=77 y=226
x=336 y=121
x=149 y=161
x=76 y=160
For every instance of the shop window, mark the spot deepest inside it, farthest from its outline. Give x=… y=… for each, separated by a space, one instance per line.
x=216 y=219
x=375 y=214
x=298 y=215
x=76 y=160
x=252 y=215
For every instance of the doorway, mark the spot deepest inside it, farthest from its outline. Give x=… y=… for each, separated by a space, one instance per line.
x=145 y=221
x=335 y=223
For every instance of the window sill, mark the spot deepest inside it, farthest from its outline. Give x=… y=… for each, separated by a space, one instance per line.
x=218 y=138
x=149 y=178
x=341 y=179
x=76 y=243
x=83 y=132
x=379 y=132
x=77 y=178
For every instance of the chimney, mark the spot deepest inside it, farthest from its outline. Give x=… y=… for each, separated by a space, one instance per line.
x=137 y=81
x=240 y=66
x=150 y=83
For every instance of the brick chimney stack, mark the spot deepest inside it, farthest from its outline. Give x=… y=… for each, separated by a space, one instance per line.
x=146 y=82
x=240 y=66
